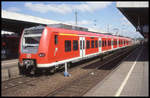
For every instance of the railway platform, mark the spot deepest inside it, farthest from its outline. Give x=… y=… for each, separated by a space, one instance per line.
x=9 y=69
x=130 y=78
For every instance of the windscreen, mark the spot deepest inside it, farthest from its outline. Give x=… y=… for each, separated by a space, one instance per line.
x=31 y=39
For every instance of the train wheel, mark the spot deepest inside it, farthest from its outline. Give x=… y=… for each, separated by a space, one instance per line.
x=52 y=70
x=37 y=72
x=69 y=65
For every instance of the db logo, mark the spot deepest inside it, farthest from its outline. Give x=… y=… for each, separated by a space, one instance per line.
x=28 y=56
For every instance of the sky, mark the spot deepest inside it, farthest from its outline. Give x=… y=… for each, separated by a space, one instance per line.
x=103 y=16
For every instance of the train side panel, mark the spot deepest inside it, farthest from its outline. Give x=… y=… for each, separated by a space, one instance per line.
x=91 y=46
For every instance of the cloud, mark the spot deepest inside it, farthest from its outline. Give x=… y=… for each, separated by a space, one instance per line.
x=87 y=24
x=64 y=8
x=36 y=7
x=13 y=9
x=97 y=5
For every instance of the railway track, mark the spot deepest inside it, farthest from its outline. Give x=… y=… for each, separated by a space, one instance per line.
x=8 y=84
x=100 y=70
x=78 y=86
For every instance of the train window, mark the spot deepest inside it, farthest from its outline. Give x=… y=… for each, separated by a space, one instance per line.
x=105 y=43
x=96 y=44
x=92 y=44
x=108 y=42
x=67 y=45
x=56 y=39
x=83 y=44
x=87 y=44
x=80 y=44
x=75 y=45
x=99 y=43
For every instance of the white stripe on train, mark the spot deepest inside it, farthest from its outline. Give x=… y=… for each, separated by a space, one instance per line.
x=74 y=59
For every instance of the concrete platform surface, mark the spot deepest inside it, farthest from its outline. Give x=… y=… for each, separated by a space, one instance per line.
x=130 y=78
x=9 y=63
x=9 y=69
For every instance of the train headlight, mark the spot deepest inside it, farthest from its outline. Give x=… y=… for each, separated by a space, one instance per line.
x=41 y=54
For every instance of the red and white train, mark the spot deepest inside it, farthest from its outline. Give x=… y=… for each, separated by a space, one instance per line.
x=45 y=47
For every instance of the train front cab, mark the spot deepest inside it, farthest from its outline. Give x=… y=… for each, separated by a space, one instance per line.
x=32 y=51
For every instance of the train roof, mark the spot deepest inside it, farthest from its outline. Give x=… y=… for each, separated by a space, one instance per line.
x=73 y=31
x=66 y=31
x=62 y=30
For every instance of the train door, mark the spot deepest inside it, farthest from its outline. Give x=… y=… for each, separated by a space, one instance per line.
x=118 y=43
x=100 y=45
x=82 y=46
x=112 y=43
x=56 y=48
